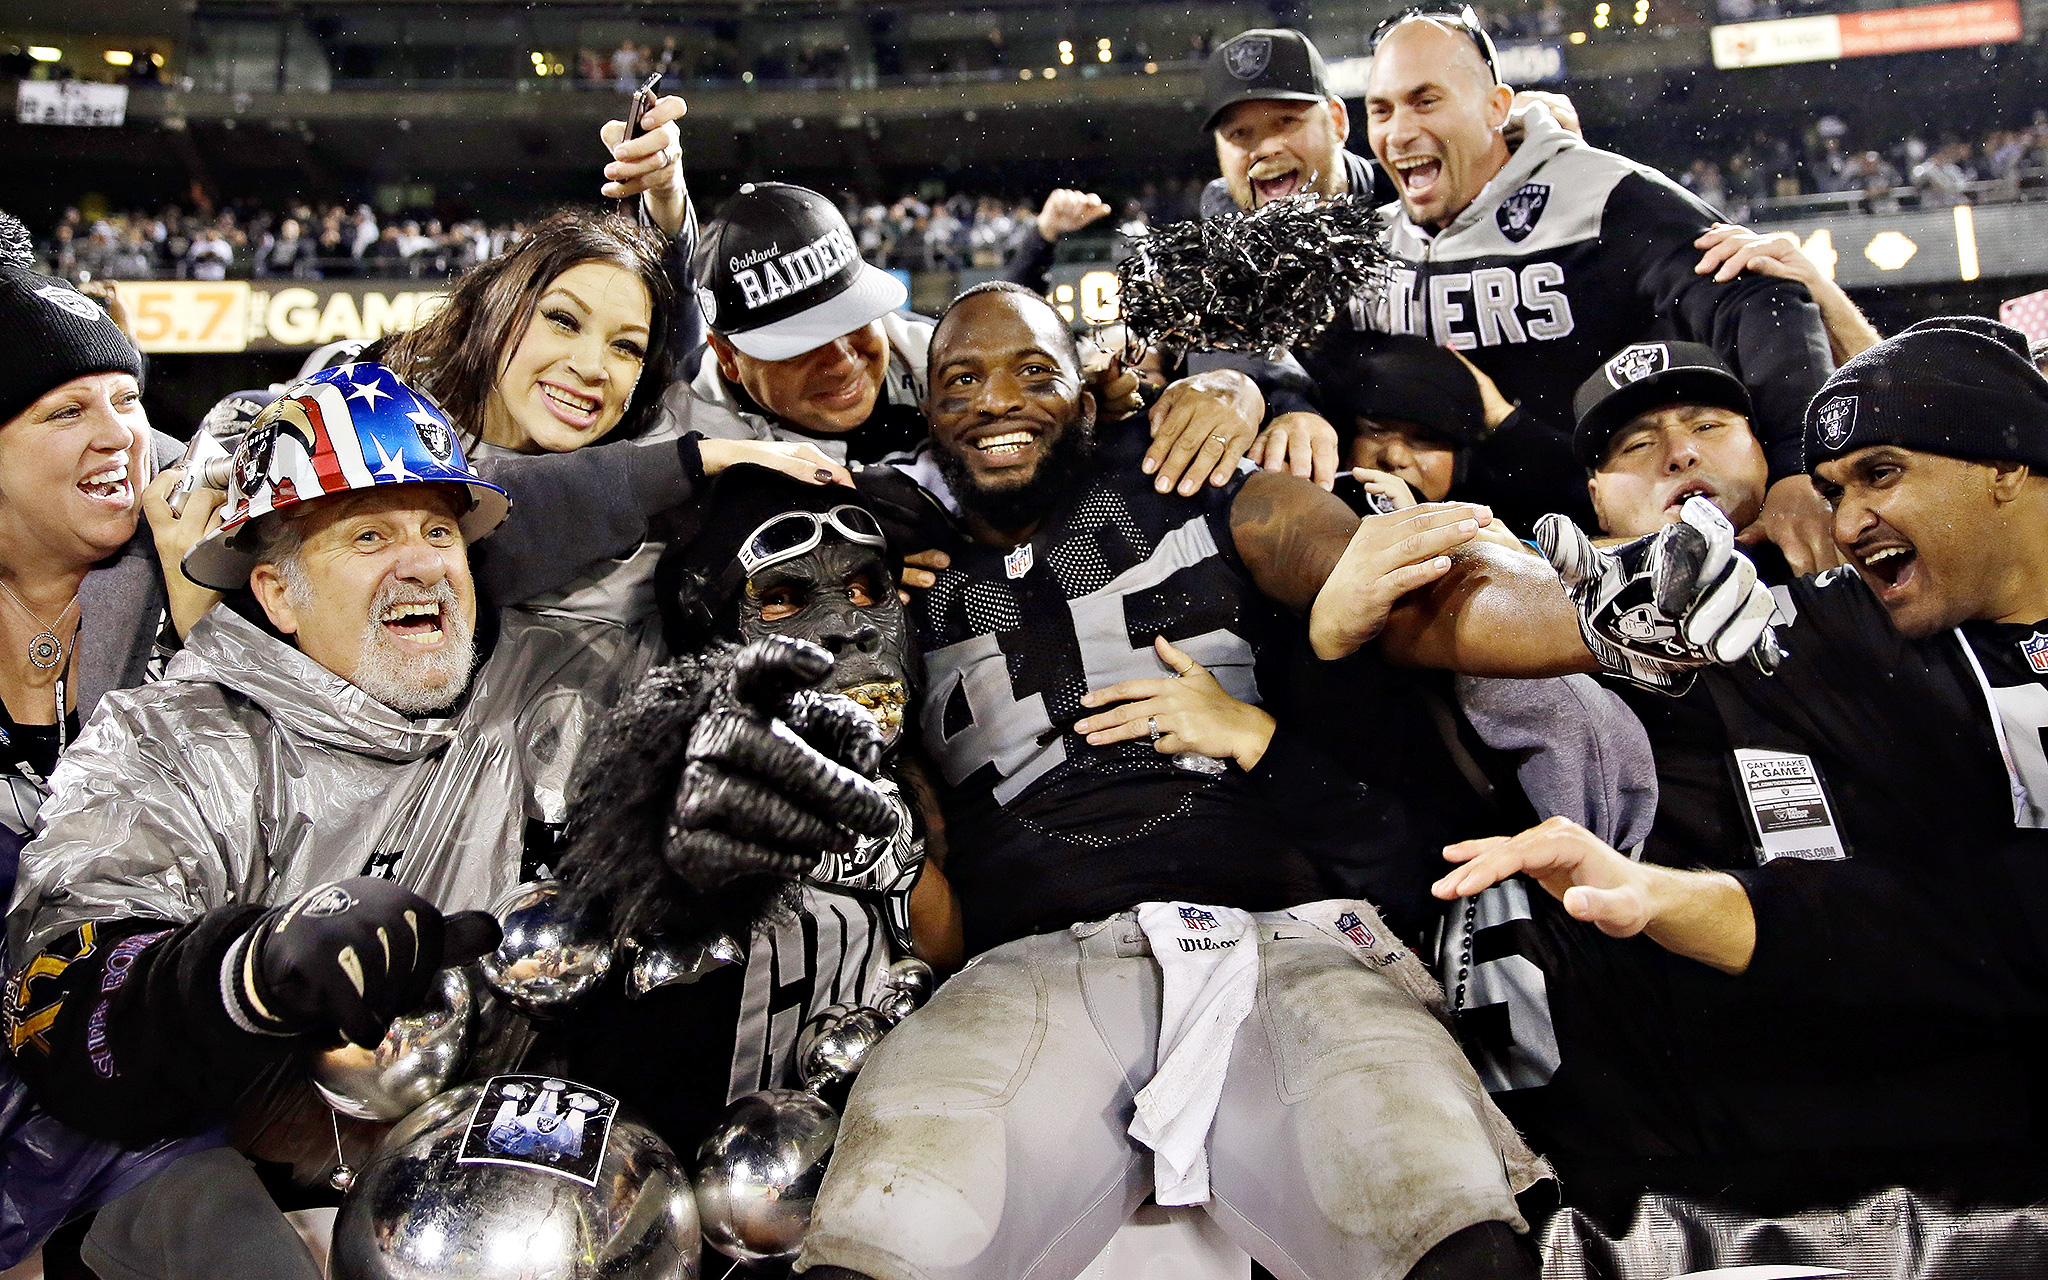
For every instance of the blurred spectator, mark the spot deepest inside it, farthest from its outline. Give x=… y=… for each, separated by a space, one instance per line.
x=209 y=257
x=288 y=253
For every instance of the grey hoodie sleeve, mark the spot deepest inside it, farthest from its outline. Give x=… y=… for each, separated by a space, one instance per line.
x=571 y=510
x=1583 y=754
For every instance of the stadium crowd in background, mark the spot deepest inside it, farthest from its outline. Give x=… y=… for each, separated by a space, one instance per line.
x=1533 y=733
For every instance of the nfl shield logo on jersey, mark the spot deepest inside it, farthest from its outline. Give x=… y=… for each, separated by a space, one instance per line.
x=2035 y=650
x=1018 y=562
x=1196 y=918
x=1353 y=928
x=1517 y=214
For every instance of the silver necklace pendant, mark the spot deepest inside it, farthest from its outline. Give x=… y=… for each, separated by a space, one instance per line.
x=45 y=651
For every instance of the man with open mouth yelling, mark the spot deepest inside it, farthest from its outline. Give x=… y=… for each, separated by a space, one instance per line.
x=1878 y=910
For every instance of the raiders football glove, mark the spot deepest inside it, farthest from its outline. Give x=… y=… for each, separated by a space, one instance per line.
x=346 y=957
x=1655 y=610
x=777 y=772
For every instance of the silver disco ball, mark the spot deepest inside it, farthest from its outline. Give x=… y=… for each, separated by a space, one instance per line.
x=548 y=959
x=519 y=1178
x=758 y=1173
x=418 y=1056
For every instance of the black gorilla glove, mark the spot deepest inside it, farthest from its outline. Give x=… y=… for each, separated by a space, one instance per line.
x=777 y=772
x=346 y=957
x=1657 y=609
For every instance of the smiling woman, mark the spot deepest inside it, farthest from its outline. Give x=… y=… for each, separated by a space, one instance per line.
x=556 y=345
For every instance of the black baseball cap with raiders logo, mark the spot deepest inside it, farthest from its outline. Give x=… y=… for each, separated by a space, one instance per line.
x=1263 y=64
x=1646 y=376
x=779 y=273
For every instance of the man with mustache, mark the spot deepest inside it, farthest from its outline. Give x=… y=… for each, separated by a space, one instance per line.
x=1280 y=131
x=1002 y=1131
x=1856 y=998
x=283 y=841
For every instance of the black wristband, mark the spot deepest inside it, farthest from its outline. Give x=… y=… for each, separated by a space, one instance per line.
x=690 y=450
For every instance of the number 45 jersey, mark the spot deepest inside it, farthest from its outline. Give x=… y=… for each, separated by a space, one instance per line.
x=1045 y=829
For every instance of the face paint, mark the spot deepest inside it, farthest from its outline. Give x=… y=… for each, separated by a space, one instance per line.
x=842 y=597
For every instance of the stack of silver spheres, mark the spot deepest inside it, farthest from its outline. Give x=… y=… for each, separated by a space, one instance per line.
x=414 y=1212
x=759 y=1171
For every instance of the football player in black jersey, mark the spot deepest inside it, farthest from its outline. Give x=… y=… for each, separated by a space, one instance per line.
x=1881 y=992
x=987 y=1136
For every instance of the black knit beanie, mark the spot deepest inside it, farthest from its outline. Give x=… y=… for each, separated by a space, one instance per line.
x=53 y=332
x=1960 y=386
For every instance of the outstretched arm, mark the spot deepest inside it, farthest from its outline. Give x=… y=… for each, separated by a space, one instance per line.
x=1701 y=915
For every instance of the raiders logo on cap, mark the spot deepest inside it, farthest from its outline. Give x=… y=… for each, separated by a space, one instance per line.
x=1638 y=362
x=1247 y=57
x=66 y=298
x=1835 y=420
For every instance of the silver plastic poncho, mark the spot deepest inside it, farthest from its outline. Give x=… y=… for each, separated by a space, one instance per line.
x=250 y=773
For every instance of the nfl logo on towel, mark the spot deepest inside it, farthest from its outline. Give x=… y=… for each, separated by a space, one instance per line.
x=1353 y=928
x=1196 y=918
x=2035 y=649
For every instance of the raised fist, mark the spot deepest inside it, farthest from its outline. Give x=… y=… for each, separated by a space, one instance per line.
x=776 y=774
x=1656 y=610
x=346 y=958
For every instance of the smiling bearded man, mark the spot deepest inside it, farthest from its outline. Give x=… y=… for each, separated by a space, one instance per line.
x=1000 y=1130
x=281 y=843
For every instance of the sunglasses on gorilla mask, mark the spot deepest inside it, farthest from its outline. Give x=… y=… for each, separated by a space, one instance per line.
x=1464 y=18
x=791 y=534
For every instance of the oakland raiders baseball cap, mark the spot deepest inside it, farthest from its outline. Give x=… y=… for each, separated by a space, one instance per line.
x=779 y=273
x=1646 y=376
x=1265 y=63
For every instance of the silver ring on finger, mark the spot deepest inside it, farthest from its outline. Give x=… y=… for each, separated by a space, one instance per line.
x=1152 y=727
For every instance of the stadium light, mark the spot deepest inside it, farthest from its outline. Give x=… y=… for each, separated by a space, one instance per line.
x=1066 y=57
x=746 y=77
x=1025 y=74
x=1051 y=73
x=1151 y=68
x=119 y=58
x=44 y=53
x=1577 y=37
x=1102 y=54
x=1066 y=46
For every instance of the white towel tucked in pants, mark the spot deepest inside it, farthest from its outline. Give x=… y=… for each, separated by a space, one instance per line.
x=1209 y=971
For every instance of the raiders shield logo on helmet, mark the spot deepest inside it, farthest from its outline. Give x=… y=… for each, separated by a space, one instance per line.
x=1835 y=420
x=1517 y=214
x=1638 y=362
x=1249 y=57
x=434 y=435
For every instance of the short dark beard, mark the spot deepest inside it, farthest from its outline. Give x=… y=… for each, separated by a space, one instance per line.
x=1069 y=461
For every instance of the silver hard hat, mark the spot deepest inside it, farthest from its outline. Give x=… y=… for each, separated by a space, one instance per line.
x=758 y=1173
x=418 y=1057
x=525 y=1177
x=548 y=958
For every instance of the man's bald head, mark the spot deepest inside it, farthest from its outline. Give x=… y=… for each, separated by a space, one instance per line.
x=1434 y=114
